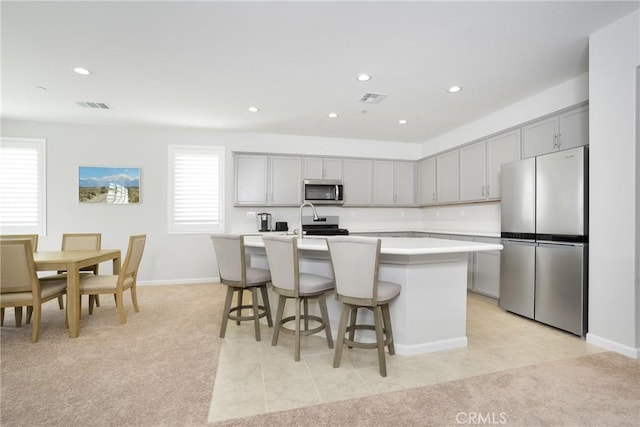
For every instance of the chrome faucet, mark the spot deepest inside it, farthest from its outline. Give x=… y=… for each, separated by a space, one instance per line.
x=315 y=216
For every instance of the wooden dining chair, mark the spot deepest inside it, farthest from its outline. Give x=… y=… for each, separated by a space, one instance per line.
x=33 y=238
x=19 y=283
x=78 y=242
x=116 y=284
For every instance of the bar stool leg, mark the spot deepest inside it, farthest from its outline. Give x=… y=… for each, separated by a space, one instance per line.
x=240 y=292
x=296 y=355
x=278 y=324
x=386 y=315
x=227 y=311
x=256 y=311
x=325 y=319
x=267 y=306
x=377 y=312
x=342 y=329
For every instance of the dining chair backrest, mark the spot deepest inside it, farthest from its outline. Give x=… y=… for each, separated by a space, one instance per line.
x=32 y=237
x=82 y=242
x=282 y=255
x=18 y=272
x=129 y=270
x=229 y=249
x=355 y=261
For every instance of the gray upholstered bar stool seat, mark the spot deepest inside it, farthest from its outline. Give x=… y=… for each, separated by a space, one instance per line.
x=238 y=277
x=355 y=262
x=289 y=283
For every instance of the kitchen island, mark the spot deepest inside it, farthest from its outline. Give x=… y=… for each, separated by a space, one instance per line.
x=431 y=312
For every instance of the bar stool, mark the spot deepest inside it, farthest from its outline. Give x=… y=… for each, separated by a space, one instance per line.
x=234 y=273
x=355 y=262
x=289 y=283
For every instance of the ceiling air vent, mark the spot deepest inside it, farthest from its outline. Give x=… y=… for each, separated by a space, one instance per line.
x=98 y=105
x=372 y=98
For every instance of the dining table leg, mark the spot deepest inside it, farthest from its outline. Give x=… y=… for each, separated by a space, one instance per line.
x=73 y=300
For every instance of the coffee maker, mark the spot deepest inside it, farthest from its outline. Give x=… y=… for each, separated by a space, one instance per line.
x=264 y=221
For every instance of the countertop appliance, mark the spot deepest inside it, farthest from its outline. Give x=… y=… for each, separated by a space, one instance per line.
x=323 y=226
x=323 y=191
x=264 y=221
x=544 y=230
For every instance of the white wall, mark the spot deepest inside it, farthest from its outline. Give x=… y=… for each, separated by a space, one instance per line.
x=183 y=258
x=614 y=304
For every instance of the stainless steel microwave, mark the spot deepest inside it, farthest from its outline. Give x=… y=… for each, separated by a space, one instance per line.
x=323 y=191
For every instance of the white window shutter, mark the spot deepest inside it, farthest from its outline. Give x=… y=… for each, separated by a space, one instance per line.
x=22 y=186
x=196 y=189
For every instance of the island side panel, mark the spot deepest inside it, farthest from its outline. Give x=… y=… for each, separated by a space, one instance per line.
x=430 y=313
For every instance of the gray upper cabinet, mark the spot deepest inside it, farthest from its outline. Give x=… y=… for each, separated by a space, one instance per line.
x=393 y=182
x=473 y=184
x=251 y=179
x=286 y=181
x=404 y=177
x=358 y=182
x=447 y=177
x=322 y=168
x=383 y=189
x=540 y=137
x=503 y=148
x=427 y=181
x=574 y=128
x=263 y=180
x=560 y=132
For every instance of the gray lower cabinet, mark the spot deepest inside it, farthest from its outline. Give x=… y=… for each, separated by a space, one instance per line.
x=486 y=270
x=470 y=261
x=483 y=269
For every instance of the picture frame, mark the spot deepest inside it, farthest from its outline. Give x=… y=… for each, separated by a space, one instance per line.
x=109 y=185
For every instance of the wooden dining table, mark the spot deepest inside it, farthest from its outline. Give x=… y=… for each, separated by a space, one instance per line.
x=72 y=262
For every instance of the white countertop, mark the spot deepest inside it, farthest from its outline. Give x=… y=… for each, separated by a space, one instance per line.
x=414 y=230
x=395 y=245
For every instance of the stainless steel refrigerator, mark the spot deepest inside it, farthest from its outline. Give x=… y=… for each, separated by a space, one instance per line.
x=544 y=228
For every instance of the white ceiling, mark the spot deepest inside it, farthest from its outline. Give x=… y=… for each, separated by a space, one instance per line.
x=202 y=64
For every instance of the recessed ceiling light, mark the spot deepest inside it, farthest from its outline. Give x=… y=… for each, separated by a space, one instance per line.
x=81 y=70
x=363 y=77
x=454 y=89
x=254 y=109
x=333 y=115
x=402 y=122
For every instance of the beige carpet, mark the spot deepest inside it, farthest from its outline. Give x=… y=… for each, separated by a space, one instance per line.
x=159 y=370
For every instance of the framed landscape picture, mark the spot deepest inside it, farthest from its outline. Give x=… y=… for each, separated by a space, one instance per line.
x=114 y=186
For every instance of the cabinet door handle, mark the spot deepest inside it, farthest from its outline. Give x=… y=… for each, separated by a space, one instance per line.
x=488 y=190
x=482 y=191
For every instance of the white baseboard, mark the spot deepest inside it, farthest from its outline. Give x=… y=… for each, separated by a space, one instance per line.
x=631 y=352
x=450 y=344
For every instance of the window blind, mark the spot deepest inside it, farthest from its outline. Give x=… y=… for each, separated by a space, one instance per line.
x=197 y=189
x=22 y=186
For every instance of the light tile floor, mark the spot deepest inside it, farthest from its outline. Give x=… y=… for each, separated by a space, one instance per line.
x=254 y=377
